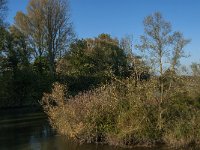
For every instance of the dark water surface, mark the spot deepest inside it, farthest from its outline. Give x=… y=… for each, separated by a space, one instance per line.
x=31 y=131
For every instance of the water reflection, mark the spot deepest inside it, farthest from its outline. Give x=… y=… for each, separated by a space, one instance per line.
x=32 y=132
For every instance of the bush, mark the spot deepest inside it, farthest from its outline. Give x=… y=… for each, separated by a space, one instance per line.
x=126 y=114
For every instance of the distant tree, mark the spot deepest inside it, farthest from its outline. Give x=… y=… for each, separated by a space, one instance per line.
x=48 y=27
x=164 y=49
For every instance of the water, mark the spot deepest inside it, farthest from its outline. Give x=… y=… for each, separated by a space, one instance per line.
x=31 y=131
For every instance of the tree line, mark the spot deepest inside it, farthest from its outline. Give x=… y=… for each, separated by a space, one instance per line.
x=30 y=48
x=40 y=47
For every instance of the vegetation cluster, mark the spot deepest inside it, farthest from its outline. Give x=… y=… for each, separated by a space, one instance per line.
x=99 y=90
x=123 y=114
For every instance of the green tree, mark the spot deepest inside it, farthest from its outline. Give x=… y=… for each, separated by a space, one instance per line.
x=21 y=84
x=93 y=61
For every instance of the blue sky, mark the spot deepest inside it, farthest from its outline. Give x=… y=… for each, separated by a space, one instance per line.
x=124 y=17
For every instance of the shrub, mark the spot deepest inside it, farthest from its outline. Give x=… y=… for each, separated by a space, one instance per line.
x=126 y=114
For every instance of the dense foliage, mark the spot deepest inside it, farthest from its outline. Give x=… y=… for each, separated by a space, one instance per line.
x=123 y=114
x=21 y=84
x=91 y=62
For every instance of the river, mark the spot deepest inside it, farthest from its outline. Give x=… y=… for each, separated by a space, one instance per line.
x=31 y=131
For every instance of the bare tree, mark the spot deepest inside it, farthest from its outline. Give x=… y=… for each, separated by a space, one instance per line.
x=59 y=29
x=48 y=26
x=164 y=50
